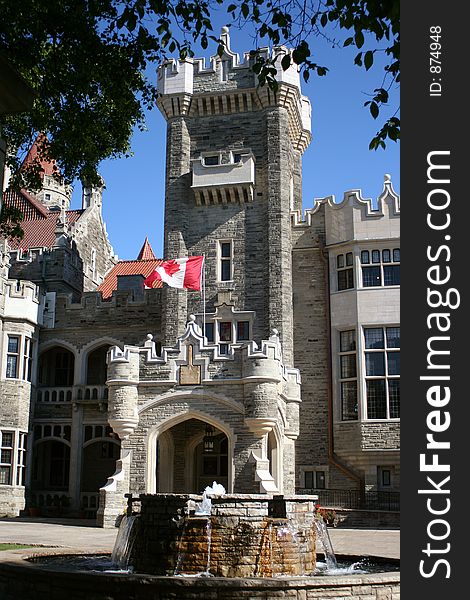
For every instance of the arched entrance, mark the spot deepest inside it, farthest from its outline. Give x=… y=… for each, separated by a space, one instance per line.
x=190 y=455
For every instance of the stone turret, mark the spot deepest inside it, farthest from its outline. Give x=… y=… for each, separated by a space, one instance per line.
x=123 y=377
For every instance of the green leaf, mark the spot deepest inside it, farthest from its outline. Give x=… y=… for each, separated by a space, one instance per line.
x=359 y=39
x=374 y=109
x=285 y=62
x=368 y=59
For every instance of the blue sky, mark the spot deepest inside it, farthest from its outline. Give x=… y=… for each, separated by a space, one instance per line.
x=337 y=160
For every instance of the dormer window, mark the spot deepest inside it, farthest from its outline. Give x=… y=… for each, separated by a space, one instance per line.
x=237 y=158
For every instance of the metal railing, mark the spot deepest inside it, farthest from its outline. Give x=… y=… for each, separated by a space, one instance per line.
x=358 y=499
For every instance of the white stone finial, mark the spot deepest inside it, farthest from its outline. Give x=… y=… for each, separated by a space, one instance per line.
x=192 y=318
x=387 y=178
x=149 y=337
x=274 y=331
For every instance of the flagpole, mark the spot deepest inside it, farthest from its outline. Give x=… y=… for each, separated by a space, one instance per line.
x=204 y=296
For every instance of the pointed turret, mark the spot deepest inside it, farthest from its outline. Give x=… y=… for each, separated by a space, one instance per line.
x=54 y=193
x=146 y=252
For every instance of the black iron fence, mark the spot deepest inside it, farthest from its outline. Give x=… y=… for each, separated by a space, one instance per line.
x=363 y=500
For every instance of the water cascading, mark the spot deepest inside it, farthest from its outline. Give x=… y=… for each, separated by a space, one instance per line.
x=325 y=541
x=236 y=535
x=124 y=542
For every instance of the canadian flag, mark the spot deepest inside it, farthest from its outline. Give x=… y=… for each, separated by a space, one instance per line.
x=184 y=273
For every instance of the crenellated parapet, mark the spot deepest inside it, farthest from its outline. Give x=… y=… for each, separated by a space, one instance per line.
x=228 y=85
x=253 y=379
x=22 y=301
x=354 y=217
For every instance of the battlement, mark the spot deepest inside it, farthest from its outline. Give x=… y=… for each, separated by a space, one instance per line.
x=22 y=301
x=192 y=75
x=244 y=363
x=228 y=85
x=355 y=217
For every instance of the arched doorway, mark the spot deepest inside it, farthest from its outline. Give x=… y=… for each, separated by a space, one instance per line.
x=191 y=455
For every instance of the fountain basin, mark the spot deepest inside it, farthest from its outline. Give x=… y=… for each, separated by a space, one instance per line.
x=20 y=578
x=243 y=536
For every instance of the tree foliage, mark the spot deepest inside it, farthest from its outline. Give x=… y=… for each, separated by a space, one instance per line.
x=88 y=61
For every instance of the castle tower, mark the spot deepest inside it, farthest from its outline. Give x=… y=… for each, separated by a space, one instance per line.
x=233 y=175
x=54 y=193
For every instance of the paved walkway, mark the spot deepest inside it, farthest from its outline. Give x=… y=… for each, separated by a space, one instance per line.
x=83 y=536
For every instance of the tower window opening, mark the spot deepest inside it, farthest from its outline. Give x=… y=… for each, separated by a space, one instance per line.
x=225 y=256
x=211 y=161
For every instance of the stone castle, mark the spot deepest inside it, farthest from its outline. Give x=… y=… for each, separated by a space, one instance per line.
x=286 y=379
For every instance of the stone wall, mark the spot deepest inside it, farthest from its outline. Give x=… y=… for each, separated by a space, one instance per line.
x=244 y=536
x=12 y=500
x=20 y=581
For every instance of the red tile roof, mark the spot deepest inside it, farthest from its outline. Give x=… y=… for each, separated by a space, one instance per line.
x=29 y=205
x=40 y=233
x=146 y=252
x=48 y=167
x=128 y=267
x=38 y=223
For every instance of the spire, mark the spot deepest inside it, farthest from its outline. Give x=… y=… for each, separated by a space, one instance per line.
x=55 y=193
x=146 y=252
x=48 y=166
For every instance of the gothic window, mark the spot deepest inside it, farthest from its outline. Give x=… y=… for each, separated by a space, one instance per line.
x=380 y=267
x=348 y=375
x=345 y=271
x=56 y=367
x=382 y=362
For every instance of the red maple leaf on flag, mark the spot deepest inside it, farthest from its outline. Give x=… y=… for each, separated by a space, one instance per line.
x=171 y=267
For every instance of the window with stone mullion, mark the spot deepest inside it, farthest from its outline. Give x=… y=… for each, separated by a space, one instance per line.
x=345 y=271
x=380 y=267
x=7 y=441
x=382 y=364
x=348 y=375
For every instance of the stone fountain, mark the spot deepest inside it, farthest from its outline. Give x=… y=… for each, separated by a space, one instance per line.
x=236 y=535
